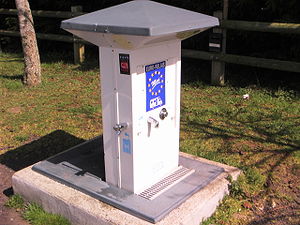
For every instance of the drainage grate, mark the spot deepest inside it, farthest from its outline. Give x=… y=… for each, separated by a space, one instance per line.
x=155 y=190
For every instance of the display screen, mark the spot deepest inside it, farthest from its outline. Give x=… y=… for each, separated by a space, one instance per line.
x=124 y=64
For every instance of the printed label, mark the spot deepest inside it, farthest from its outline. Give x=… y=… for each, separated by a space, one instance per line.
x=155 y=85
x=126 y=144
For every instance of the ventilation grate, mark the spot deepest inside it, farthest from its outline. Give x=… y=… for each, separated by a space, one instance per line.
x=155 y=190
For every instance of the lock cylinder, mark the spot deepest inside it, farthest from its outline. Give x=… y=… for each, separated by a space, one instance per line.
x=163 y=113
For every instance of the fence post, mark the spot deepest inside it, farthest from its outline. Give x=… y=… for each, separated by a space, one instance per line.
x=217 y=67
x=225 y=17
x=0 y=43
x=78 y=48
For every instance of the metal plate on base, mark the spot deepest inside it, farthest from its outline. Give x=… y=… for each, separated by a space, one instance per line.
x=82 y=167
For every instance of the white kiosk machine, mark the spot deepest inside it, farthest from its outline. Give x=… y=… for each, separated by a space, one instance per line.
x=140 y=51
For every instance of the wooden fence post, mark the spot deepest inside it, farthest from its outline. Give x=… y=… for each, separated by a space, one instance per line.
x=225 y=17
x=218 y=67
x=78 y=48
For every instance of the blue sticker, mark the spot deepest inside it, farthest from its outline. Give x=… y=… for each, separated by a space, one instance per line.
x=126 y=144
x=155 y=85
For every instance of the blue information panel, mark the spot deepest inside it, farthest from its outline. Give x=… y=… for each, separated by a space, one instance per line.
x=155 y=85
x=126 y=144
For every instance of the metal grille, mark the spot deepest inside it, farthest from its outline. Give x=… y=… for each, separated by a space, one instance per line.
x=166 y=183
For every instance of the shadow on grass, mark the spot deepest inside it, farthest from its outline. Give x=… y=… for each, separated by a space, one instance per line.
x=13 y=77
x=88 y=65
x=235 y=129
x=39 y=149
x=61 y=55
x=12 y=60
x=282 y=217
x=269 y=158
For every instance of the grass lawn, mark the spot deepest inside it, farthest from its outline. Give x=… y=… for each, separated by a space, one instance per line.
x=260 y=135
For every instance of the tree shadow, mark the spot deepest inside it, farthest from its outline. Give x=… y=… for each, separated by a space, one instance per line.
x=13 y=77
x=39 y=149
x=12 y=60
x=268 y=157
x=283 y=216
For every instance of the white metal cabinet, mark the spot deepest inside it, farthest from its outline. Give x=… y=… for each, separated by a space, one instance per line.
x=139 y=44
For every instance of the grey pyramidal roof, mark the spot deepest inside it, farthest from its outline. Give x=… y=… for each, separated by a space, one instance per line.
x=140 y=17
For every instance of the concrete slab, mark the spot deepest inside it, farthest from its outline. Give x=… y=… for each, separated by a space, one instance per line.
x=82 y=168
x=83 y=209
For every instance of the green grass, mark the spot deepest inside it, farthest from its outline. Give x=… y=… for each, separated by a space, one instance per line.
x=34 y=214
x=21 y=138
x=225 y=212
x=37 y=216
x=260 y=135
x=15 y=201
x=68 y=99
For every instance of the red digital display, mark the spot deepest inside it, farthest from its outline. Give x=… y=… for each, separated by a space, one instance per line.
x=124 y=64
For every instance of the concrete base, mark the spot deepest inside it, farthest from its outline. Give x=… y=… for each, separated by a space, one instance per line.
x=82 y=209
x=82 y=168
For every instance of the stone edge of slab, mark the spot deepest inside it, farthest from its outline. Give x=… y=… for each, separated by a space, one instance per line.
x=82 y=209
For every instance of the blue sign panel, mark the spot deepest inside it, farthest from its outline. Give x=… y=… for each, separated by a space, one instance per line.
x=155 y=85
x=126 y=144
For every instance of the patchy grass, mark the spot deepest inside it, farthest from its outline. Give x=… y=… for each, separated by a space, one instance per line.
x=37 y=216
x=34 y=214
x=260 y=135
x=16 y=202
x=68 y=99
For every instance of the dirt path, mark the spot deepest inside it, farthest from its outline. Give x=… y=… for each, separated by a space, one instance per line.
x=8 y=216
